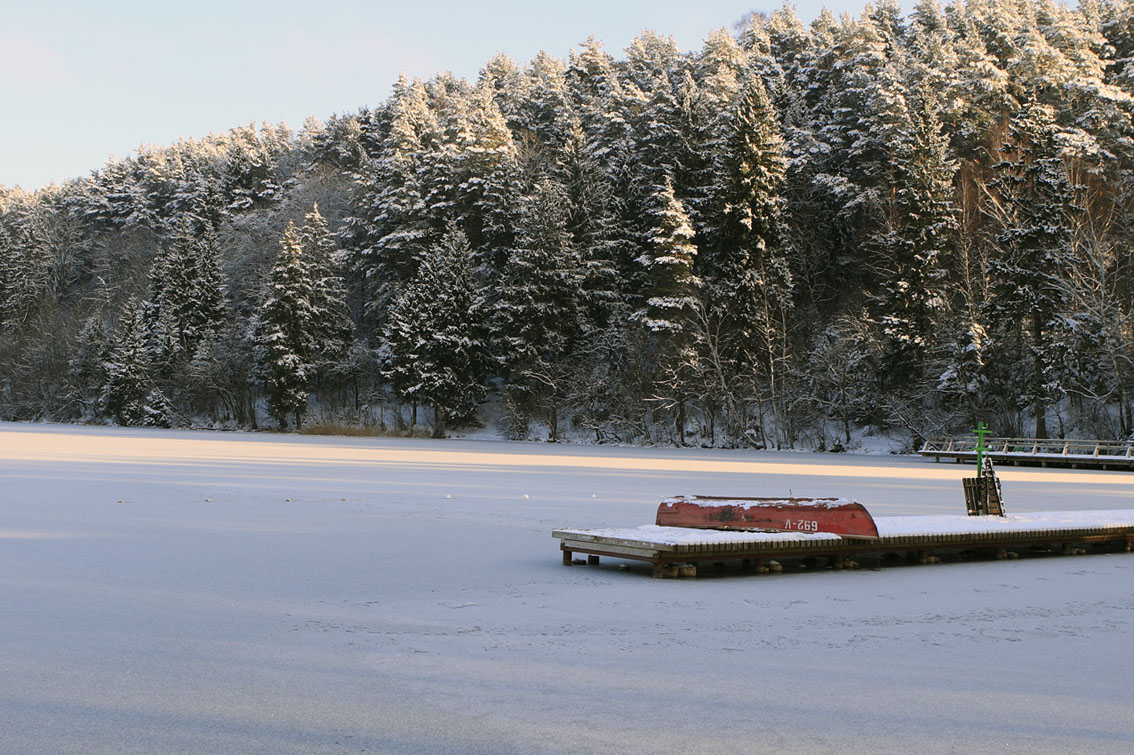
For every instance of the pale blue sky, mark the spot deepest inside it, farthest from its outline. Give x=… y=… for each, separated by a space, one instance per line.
x=81 y=81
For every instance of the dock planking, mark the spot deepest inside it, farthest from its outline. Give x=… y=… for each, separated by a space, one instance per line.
x=915 y=536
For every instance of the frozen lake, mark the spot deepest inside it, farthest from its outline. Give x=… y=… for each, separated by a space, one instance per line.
x=169 y=591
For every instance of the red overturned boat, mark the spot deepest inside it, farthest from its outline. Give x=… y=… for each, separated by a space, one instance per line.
x=837 y=516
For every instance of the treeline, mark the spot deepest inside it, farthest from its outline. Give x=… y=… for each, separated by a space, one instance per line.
x=910 y=222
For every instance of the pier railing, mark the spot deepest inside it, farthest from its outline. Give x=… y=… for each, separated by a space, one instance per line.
x=1106 y=454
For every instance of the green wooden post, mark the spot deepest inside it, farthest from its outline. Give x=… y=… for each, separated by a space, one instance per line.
x=980 y=431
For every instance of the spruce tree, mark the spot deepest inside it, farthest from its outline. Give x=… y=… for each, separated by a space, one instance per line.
x=435 y=352
x=9 y=272
x=210 y=288
x=285 y=331
x=545 y=114
x=88 y=364
x=920 y=239
x=668 y=267
x=187 y=296
x=659 y=98
x=745 y=194
x=333 y=327
x=127 y=371
x=671 y=300
x=24 y=269
x=1030 y=205
x=541 y=313
x=391 y=225
x=742 y=262
x=593 y=224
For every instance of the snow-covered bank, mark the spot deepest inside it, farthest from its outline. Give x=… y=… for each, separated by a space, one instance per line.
x=192 y=592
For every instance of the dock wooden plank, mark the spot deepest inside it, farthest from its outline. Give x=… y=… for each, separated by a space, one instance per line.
x=610 y=550
x=657 y=545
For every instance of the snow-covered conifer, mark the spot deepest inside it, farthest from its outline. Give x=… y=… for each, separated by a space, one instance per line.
x=435 y=352
x=668 y=266
x=916 y=247
x=331 y=315
x=1030 y=206
x=187 y=296
x=285 y=331
x=390 y=224
x=127 y=371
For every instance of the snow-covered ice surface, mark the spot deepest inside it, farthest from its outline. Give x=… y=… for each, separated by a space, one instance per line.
x=165 y=591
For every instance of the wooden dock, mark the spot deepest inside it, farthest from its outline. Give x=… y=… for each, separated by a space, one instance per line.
x=677 y=550
x=1077 y=454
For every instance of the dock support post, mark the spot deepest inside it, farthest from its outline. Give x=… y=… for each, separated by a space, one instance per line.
x=566 y=557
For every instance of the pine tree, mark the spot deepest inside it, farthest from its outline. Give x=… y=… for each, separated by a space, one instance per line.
x=503 y=79
x=488 y=171
x=933 y=61
x=755 y=39
x=1116 y=23
x=721 y=69
x=982 y=92
x=597 y=165
x=962 y=179
x=251 y=165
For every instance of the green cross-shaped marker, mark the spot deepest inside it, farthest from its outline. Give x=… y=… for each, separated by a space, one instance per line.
x=980 y=431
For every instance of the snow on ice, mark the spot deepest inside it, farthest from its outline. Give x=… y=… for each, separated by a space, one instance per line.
x=159 y=593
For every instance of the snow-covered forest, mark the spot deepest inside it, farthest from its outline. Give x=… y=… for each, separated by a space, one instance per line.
x=908 y=222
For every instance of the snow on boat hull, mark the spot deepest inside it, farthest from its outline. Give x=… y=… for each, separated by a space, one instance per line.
x=837 y=516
